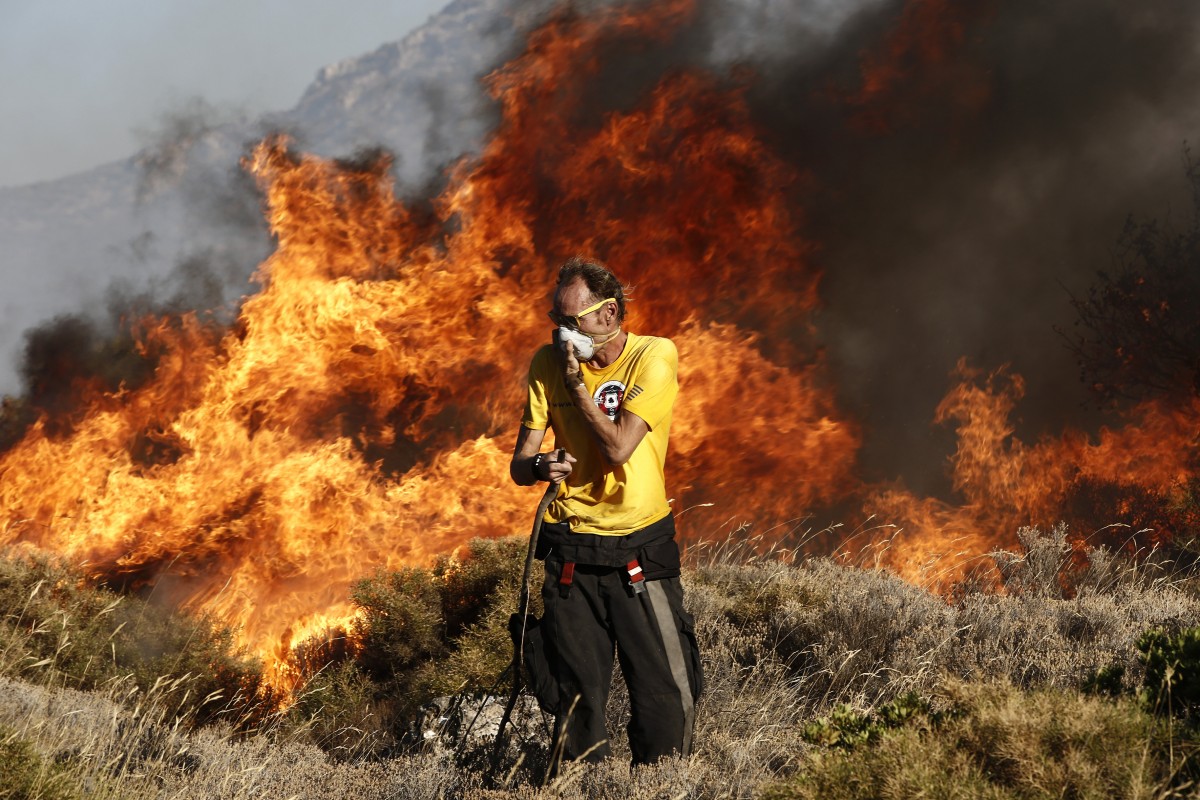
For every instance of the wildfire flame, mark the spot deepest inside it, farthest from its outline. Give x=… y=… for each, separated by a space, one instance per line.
x=1006 y=483
x=360 y=413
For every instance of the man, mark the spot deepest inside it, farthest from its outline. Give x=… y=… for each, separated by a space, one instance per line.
x=608 y=539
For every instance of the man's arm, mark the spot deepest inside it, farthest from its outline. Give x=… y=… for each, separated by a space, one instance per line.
x=529 y=443
x=617 y=438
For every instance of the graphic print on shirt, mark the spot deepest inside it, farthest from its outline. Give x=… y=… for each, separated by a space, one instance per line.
x=608 y=397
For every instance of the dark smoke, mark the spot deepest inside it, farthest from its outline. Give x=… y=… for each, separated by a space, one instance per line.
x=65 y=360
x=999 y=188
x=189 y=161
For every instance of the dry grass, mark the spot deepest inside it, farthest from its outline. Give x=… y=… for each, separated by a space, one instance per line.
x=783 y=644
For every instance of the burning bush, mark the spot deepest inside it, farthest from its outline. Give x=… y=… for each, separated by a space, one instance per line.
x=1137 y=335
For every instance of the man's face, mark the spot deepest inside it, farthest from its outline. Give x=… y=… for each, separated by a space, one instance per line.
x=572 y=300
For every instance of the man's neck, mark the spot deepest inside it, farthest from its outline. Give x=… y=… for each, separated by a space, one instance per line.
x=610 y=352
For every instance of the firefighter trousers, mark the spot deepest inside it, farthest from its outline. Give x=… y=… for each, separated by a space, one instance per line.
x=654 y=640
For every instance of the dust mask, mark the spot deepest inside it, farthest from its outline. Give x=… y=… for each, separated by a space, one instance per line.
x=585 y=346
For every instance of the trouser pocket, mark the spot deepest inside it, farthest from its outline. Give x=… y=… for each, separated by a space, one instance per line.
x=660 y=560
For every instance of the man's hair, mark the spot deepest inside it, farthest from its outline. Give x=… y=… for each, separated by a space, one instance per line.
x=599 y=281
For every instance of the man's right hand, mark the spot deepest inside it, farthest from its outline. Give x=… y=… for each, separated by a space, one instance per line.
x=555 y=466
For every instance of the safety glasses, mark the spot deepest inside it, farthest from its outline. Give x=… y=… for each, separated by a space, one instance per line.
x=573 y=320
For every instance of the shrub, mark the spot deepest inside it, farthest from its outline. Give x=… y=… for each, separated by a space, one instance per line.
x=426 y=633
x=420 y=634
x=1039 y=569
x=1172 y=664
x=343 y=715
x=57 y=628
x=847 y=728
x=1107 y=682
x=27 y=775
x=997 y=741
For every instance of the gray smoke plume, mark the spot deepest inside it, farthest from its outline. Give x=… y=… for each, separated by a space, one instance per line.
x=148 y=226
x=202 y=238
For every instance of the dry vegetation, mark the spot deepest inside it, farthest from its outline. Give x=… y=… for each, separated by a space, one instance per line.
x=823 y=680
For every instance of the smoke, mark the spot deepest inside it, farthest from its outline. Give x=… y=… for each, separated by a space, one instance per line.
x=167 y=148
x=986 y=179
x=205 y=237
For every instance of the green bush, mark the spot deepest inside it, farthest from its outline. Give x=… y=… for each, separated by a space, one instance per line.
x=24 y=775
x=1170 y=674
x=1107 y=681
x=401 y=626
x=1172 y=663
x=424 y=633
x=997 y=741
x=57 y=628
x=848 y=728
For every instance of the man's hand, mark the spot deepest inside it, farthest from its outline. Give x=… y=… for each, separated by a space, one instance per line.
x=548 y=466
x=572 y=374
x=555 y=466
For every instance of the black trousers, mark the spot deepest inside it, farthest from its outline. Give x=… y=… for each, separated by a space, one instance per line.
x=654 y=639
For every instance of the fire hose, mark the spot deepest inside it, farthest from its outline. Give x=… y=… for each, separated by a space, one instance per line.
x=518 y=662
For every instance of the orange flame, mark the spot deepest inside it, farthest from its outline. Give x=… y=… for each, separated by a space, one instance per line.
x=1006 y=483
x=360 y=412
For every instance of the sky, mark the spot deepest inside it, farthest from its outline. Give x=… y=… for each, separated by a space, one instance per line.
x=84 y=82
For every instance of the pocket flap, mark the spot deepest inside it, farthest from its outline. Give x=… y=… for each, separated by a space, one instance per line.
x=660 y=560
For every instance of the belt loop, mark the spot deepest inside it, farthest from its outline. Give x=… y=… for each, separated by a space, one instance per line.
x=565 y=577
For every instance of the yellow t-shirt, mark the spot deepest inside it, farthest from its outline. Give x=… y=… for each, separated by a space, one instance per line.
x=598 y=497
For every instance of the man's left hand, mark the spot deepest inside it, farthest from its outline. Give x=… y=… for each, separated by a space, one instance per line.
x=572 y=374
